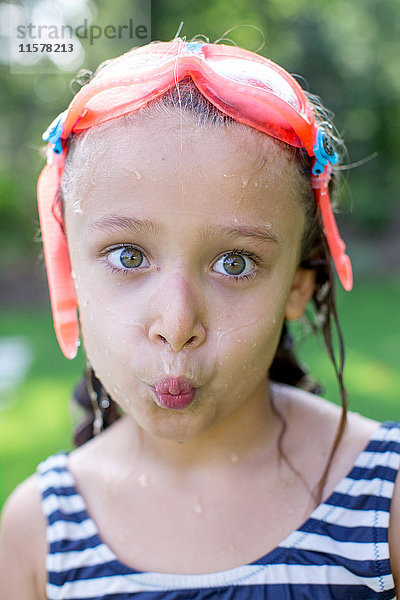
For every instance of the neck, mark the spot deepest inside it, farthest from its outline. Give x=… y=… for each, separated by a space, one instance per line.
x=249 y=431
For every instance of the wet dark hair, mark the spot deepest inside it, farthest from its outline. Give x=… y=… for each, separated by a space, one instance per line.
x=315 y=255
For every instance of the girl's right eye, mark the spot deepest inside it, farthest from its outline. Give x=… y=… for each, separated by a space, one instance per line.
x=127 y=258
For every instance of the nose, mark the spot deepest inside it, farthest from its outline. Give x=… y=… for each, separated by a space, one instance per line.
x=177 y=317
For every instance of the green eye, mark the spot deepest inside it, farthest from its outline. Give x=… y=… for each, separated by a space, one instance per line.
x=234 y=264
x=127 y=257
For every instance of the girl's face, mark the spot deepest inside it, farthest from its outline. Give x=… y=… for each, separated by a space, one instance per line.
x=184 y=245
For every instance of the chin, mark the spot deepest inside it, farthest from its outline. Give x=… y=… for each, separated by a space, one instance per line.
x=177 y=426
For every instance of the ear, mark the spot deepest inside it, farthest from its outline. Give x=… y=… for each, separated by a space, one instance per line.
x=302 y=289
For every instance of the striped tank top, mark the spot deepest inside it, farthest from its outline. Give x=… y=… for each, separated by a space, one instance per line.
x=340 y=552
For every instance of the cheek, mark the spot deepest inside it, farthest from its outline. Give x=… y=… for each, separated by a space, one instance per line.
x=104 y=327
x=247 y=336
x=109 y=335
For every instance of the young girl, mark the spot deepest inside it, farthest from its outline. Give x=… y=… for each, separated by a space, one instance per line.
x=185 y=211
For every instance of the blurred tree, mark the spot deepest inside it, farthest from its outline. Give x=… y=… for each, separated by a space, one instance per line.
x=349 y=52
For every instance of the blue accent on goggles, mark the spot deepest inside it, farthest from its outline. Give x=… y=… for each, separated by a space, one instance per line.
x=324 y=153
x=54 y=131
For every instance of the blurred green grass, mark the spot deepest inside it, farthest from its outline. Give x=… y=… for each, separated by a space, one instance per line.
x=369 y=319
x=35 y=420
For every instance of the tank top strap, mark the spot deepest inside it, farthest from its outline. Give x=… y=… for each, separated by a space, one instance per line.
x=381 y=458
x=370 y=483
x=74 y=545
x=60 y=499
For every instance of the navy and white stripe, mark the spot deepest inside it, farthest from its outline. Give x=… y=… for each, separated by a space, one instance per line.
x=340 y=552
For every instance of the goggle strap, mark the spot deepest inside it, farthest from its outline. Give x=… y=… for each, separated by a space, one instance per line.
x=62 y=292
x=336 y=245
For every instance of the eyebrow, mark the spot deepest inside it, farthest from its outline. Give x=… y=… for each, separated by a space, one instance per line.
x=111 y=223
x=243 y=231
x=115 y=223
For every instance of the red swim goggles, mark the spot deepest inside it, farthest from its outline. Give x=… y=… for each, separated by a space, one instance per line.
x=243 y=85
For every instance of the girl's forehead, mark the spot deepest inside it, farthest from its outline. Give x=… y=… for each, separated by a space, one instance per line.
x=140 y=135
x=154 y=163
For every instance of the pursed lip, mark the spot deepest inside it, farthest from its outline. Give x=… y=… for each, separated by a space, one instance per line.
x=173 y=385
x=174 y=393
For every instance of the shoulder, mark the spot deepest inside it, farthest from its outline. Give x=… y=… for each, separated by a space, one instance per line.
x=23 y=543
x=312 y=424
x=103 y=454
x=320 y=417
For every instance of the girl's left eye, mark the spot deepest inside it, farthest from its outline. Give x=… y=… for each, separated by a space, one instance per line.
x=127 y=257
x=236 y=264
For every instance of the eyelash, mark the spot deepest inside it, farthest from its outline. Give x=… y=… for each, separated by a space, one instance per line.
x=238 y=278
x=116 y=270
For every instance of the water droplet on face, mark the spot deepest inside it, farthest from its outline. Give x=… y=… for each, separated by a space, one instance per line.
x=138 y=175
x=198 y=507
x=73 y=275
x=143 y=480
x=234 y=457
x=267 y=225
x=76 y=207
